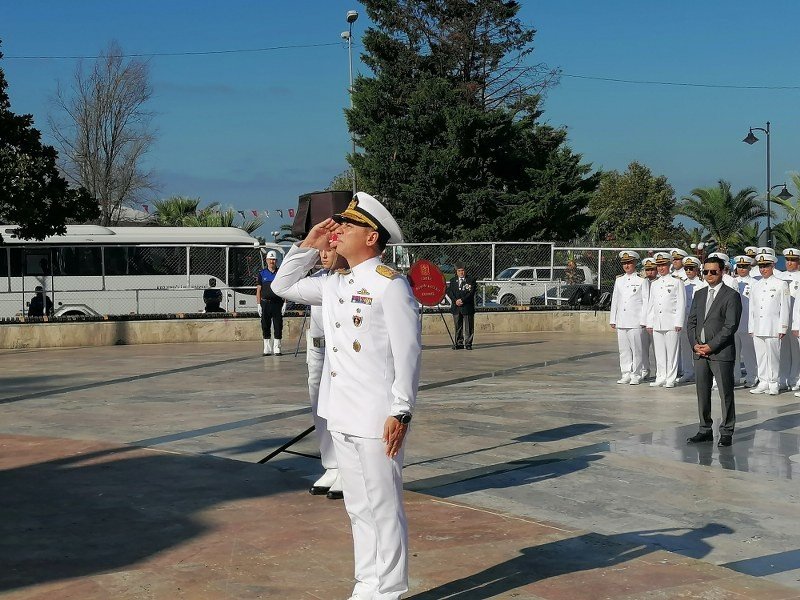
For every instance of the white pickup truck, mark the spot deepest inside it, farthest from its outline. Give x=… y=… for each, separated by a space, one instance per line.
x=521 y=285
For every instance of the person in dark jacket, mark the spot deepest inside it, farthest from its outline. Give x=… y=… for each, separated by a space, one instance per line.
x=461 y=292
x=711 y=327
x=270 y=306
x=40 y=305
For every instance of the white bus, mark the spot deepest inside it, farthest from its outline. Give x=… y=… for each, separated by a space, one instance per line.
x=96 y=271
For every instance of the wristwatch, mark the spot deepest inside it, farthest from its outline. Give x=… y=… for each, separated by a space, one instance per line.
x=404 y=418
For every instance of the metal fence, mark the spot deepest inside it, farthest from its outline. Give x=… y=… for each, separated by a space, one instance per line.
x=171 y=280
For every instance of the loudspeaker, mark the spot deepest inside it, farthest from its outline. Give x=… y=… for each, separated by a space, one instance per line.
x=315 y=207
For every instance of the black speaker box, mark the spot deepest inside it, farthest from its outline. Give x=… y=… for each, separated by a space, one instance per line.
x=315 y=207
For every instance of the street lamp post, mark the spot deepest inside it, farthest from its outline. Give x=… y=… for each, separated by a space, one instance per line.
x=752 y=139
x=351 y=17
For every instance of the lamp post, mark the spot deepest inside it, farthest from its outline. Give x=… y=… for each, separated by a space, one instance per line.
x=351 y=17
x=752 y=139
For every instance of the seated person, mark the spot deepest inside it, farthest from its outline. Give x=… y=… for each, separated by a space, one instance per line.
x=40 y=305
x=212 y=297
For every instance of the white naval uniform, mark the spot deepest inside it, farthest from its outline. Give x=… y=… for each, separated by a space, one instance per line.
x=373 y=348
x=666 y=311
x=789 y=371
x=730 y=281
x=626 y=316
x=745 y=350
x=687 y=361
x=769 y=317
x=647 y=337
x=679 y=273
x=318 y=381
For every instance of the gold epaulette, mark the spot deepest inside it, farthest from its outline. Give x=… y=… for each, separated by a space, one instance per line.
x=342 y=271
x=387 y=272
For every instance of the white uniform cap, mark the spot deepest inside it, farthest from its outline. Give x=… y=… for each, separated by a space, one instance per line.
x=272 y=254
x=766 y=250
x=678 y=253
x=649 y=261
x=744 y=261
x=367 y=211
x=691 y=261
x=628 y=255
x=791 y=252
x=721 y=255
x=751 y=251
x=765 y=259
x=662 y=258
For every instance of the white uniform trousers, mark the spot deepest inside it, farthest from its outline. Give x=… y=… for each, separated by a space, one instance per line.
x=373 y=496
x=647 y=341
x=745 y=352
x=666 y=344
x=789 y=371
x=630 y=351
x=315 y=359
x=768 y=357
x=686 y=355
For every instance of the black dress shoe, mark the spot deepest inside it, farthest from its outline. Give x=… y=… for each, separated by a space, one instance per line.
x=318 y=490
x=725 y=440
x=335 y=495
x=469 y=347
x=457 y=347
x=701 y=437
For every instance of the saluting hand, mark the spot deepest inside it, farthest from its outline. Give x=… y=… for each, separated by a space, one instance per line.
x=393 y=434
x=319 y=236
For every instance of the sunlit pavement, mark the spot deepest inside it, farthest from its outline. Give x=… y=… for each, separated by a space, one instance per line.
x=130 y=472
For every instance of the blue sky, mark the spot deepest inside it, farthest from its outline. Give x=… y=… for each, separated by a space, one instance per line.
x=254 y=130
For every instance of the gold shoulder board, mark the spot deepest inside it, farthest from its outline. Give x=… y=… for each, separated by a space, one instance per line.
x=342 y=271
x=387 y=272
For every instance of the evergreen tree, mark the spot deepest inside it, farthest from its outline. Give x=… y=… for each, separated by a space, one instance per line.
x=449 y=130
x=33 y=194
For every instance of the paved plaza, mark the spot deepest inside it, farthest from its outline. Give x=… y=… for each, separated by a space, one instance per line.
x=132 y=472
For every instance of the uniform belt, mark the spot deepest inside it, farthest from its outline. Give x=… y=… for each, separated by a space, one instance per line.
x=318 y=342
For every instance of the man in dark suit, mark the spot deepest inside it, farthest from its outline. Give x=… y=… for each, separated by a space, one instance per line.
x=461 y=292
x=712 y=324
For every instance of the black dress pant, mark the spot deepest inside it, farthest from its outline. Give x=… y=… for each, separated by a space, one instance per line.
x=271 y=318
x=722 y=371
x=465 y=329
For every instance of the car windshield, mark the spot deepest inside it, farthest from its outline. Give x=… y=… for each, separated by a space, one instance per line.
x=507 y=274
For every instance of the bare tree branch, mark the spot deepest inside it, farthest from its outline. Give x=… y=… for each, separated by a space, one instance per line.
x=104 y=130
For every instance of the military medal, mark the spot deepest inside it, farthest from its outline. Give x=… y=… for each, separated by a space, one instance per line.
x=356 y=346
x=357 y=319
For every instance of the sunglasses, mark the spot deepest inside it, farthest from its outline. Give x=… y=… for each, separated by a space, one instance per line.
x=690 y=268
x=710 y=271
x=649 y=268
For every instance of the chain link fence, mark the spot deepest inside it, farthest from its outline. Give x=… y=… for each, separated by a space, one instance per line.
x=144 y=280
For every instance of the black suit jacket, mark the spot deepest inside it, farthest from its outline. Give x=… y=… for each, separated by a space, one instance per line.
x=720 y=323
x=466 y=294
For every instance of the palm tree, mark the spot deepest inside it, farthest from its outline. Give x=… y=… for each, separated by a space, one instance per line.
x=173 y=211
x=721 y=213
x=748 y=236
x=787 y=233
x=285 y=234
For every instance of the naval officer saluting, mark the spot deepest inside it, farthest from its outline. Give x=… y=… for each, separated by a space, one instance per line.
x=373 y=348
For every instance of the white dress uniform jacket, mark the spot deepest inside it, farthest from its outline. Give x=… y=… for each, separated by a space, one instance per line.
x=667 y=305
x=769 y=307
x=372 y=338
x=789 y=371
x=745 y=349
x=627 y=302
x=687 y=362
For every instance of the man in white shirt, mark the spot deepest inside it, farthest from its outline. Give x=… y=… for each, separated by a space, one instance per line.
x=373 y=349
x=693 y=283
x=789 y=372
x=745 y=351
x=769 y=322
x=752 y=252
x=666 y=314
x=677 y=256
x=650 y=275
x=626 y=318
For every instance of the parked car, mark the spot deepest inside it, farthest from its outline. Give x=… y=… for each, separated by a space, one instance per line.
x=521 y=285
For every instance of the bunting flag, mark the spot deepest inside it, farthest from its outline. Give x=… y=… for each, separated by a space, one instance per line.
x=241 y=212
x=280 y=212
x=146 y=208
x=266 y=213
x=291 y=213
x=255 y=213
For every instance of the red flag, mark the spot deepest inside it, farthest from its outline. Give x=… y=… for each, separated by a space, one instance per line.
x=291 y=213
x=146 y=208
x=255 y=213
